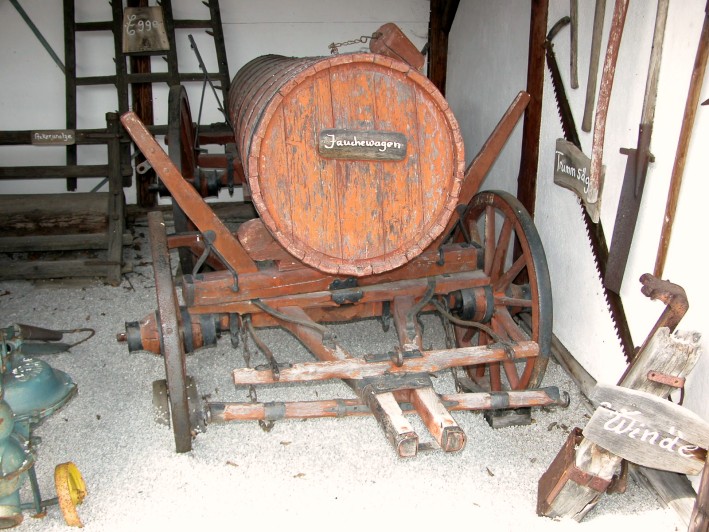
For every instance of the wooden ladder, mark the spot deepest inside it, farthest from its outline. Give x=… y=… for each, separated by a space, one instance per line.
x=138 y=78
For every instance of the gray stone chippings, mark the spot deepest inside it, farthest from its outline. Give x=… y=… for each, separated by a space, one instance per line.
x=322 y=474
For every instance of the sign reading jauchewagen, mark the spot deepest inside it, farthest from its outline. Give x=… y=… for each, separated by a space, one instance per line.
x=361 y=144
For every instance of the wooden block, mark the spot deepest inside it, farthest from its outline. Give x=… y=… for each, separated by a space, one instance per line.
x=498 y=419
x=396 y=427
x=438 y=420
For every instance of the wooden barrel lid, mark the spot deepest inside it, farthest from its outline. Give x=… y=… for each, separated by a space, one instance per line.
x=354 y=162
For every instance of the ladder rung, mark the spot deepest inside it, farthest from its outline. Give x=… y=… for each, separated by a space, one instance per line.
x=94 y=26
x=182 y=24
x=96 y=80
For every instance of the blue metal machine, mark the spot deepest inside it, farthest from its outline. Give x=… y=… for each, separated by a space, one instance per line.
x=31 y=391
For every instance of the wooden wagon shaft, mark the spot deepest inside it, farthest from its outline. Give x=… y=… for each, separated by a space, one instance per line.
x=384 y=405
x=273 y=411
x=365 y=294
x=425 y=401
x=359 y=368
x=224 y=243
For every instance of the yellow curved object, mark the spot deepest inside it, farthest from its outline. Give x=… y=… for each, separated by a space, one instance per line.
x=71 y=492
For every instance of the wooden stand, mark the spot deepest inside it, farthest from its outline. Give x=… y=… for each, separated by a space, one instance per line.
x=59 y=222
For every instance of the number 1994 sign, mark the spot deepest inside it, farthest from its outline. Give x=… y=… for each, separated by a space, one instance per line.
x=144 y=31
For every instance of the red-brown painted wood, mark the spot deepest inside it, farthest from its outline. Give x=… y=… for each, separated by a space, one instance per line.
x=346 y=215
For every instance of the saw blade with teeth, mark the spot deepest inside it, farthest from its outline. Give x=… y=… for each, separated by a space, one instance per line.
x=594 y=231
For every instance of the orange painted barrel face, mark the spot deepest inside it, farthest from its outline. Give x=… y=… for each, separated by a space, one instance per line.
x=354 y=161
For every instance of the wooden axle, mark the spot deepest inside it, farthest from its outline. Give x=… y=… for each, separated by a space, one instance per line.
x=220 y=412
x=389 y=409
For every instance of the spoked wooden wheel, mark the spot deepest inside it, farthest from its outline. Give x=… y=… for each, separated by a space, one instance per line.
x=182 y=149
x=519 y=285
x=169 y=330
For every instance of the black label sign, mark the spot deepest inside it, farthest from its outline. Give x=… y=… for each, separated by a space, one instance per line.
x=361 y=145
x=53 y=137
x=572 y=170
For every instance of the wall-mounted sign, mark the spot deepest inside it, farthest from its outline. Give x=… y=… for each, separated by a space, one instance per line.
x=53 y=137
x=572 y=170
x=647 y=430
x=361 y=144
x=144 y=31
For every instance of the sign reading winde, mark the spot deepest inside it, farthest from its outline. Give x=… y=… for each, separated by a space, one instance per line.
x=361 y=145
x=647 y=430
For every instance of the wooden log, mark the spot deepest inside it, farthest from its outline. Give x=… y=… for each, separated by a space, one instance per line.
x=671 y=354
x=57 y=242
x=359 y=368
x=53 y=269
x=53 y=214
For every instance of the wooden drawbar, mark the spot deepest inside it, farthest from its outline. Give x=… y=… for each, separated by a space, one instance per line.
x=354 y=161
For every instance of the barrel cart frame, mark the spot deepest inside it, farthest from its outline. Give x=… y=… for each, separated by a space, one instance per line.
x=483 y=270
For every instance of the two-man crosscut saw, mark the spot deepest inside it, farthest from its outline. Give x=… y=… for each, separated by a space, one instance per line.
x=594 y=229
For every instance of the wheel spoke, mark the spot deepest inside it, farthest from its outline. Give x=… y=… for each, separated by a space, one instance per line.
x=506 y=279
x=489 y=239
x=503 y=242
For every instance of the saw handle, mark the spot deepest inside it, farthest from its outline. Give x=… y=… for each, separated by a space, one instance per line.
x=32 y=332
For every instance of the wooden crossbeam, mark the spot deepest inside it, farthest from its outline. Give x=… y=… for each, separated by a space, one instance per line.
x=359 y=368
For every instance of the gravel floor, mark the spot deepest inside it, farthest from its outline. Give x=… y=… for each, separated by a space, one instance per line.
x=321 y=474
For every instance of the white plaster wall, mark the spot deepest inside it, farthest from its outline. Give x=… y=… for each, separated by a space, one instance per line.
x=484 y=36
x=487 y=68
x=32 y=86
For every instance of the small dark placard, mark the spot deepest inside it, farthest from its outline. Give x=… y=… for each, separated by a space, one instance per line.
x=361 y=145
x=144 y=31
x=54 y=137
x=572 y=170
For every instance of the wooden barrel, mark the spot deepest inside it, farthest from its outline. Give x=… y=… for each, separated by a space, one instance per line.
x=354 y=161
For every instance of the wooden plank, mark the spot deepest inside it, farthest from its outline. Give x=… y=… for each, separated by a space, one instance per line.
x=53 y=171
x=53 y=214
x=673 y=489
x=647 y=430
x=58 y=242
x=116 y=204
x=53 y=269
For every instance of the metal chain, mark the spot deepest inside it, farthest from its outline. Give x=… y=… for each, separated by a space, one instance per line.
x=334 y=47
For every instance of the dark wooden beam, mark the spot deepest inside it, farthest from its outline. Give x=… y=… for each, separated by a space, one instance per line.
x=439 y=26
x=142 y=94
x=527 y=179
